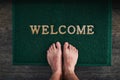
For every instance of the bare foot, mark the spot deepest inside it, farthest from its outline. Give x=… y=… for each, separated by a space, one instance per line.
x=70 y=55
x=54 y=57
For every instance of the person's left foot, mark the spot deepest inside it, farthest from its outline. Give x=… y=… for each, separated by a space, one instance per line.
x=54 y=57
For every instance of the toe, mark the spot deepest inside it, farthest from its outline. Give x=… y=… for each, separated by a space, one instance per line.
x=74 y=48
x=47 y=51
x=66 y=45
x=54 y=47
x=58 y=45
x=70 y=47
x=77 y=50
x=50 y=47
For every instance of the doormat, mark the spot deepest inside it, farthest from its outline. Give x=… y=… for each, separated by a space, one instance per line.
x=86 y=24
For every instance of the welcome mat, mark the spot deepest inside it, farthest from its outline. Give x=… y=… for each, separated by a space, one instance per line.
x=86 y=24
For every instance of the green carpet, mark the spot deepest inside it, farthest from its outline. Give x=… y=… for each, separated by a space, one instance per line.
x=86 y=24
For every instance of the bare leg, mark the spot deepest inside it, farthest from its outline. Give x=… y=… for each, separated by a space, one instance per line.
x=54 y=57
x=70 y=56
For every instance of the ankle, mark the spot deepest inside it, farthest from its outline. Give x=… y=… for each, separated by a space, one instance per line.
x=69 y=75
x=57 y=75
x=68 y=70
x=57 y=72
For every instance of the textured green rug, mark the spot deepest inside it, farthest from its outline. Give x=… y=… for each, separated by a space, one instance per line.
x=86 y=24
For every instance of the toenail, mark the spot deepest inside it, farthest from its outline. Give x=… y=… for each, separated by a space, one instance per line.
x=57 y=42
x=66 y=42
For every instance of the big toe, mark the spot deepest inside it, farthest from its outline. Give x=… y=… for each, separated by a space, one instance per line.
x=66 y=45
x=58 y=45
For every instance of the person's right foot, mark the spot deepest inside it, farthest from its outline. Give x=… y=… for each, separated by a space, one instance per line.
x=70 y=56
x=54 y=57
